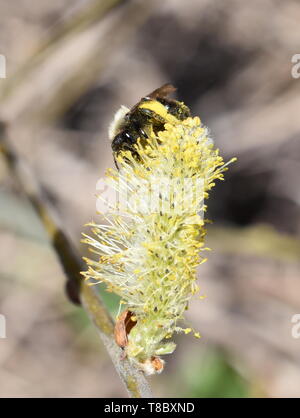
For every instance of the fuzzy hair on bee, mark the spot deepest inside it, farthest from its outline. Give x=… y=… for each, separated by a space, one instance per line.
x=118 y=122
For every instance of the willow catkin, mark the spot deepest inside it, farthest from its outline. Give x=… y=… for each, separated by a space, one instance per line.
x=152 y=242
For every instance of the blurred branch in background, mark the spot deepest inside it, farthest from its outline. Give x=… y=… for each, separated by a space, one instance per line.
x=70 y=23
x=62 y=71
x=77 y=289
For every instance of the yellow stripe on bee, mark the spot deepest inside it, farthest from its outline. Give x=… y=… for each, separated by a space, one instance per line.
x=159 y=109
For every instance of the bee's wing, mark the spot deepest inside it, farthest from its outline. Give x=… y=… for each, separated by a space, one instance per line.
x=162 y=91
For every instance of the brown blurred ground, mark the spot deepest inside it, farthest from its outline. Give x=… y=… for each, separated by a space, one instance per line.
x=66 y=76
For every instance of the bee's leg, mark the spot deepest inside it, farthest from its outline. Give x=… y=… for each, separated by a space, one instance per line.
x=123 y=355
x=115 y=161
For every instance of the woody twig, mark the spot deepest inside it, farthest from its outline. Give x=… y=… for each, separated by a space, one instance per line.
x=77 y=290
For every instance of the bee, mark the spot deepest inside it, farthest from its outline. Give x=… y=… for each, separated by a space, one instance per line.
x=149 y=115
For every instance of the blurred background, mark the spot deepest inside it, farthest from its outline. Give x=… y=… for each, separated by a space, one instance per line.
x=70 y=65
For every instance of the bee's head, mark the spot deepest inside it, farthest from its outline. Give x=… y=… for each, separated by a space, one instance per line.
x=123 y=140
